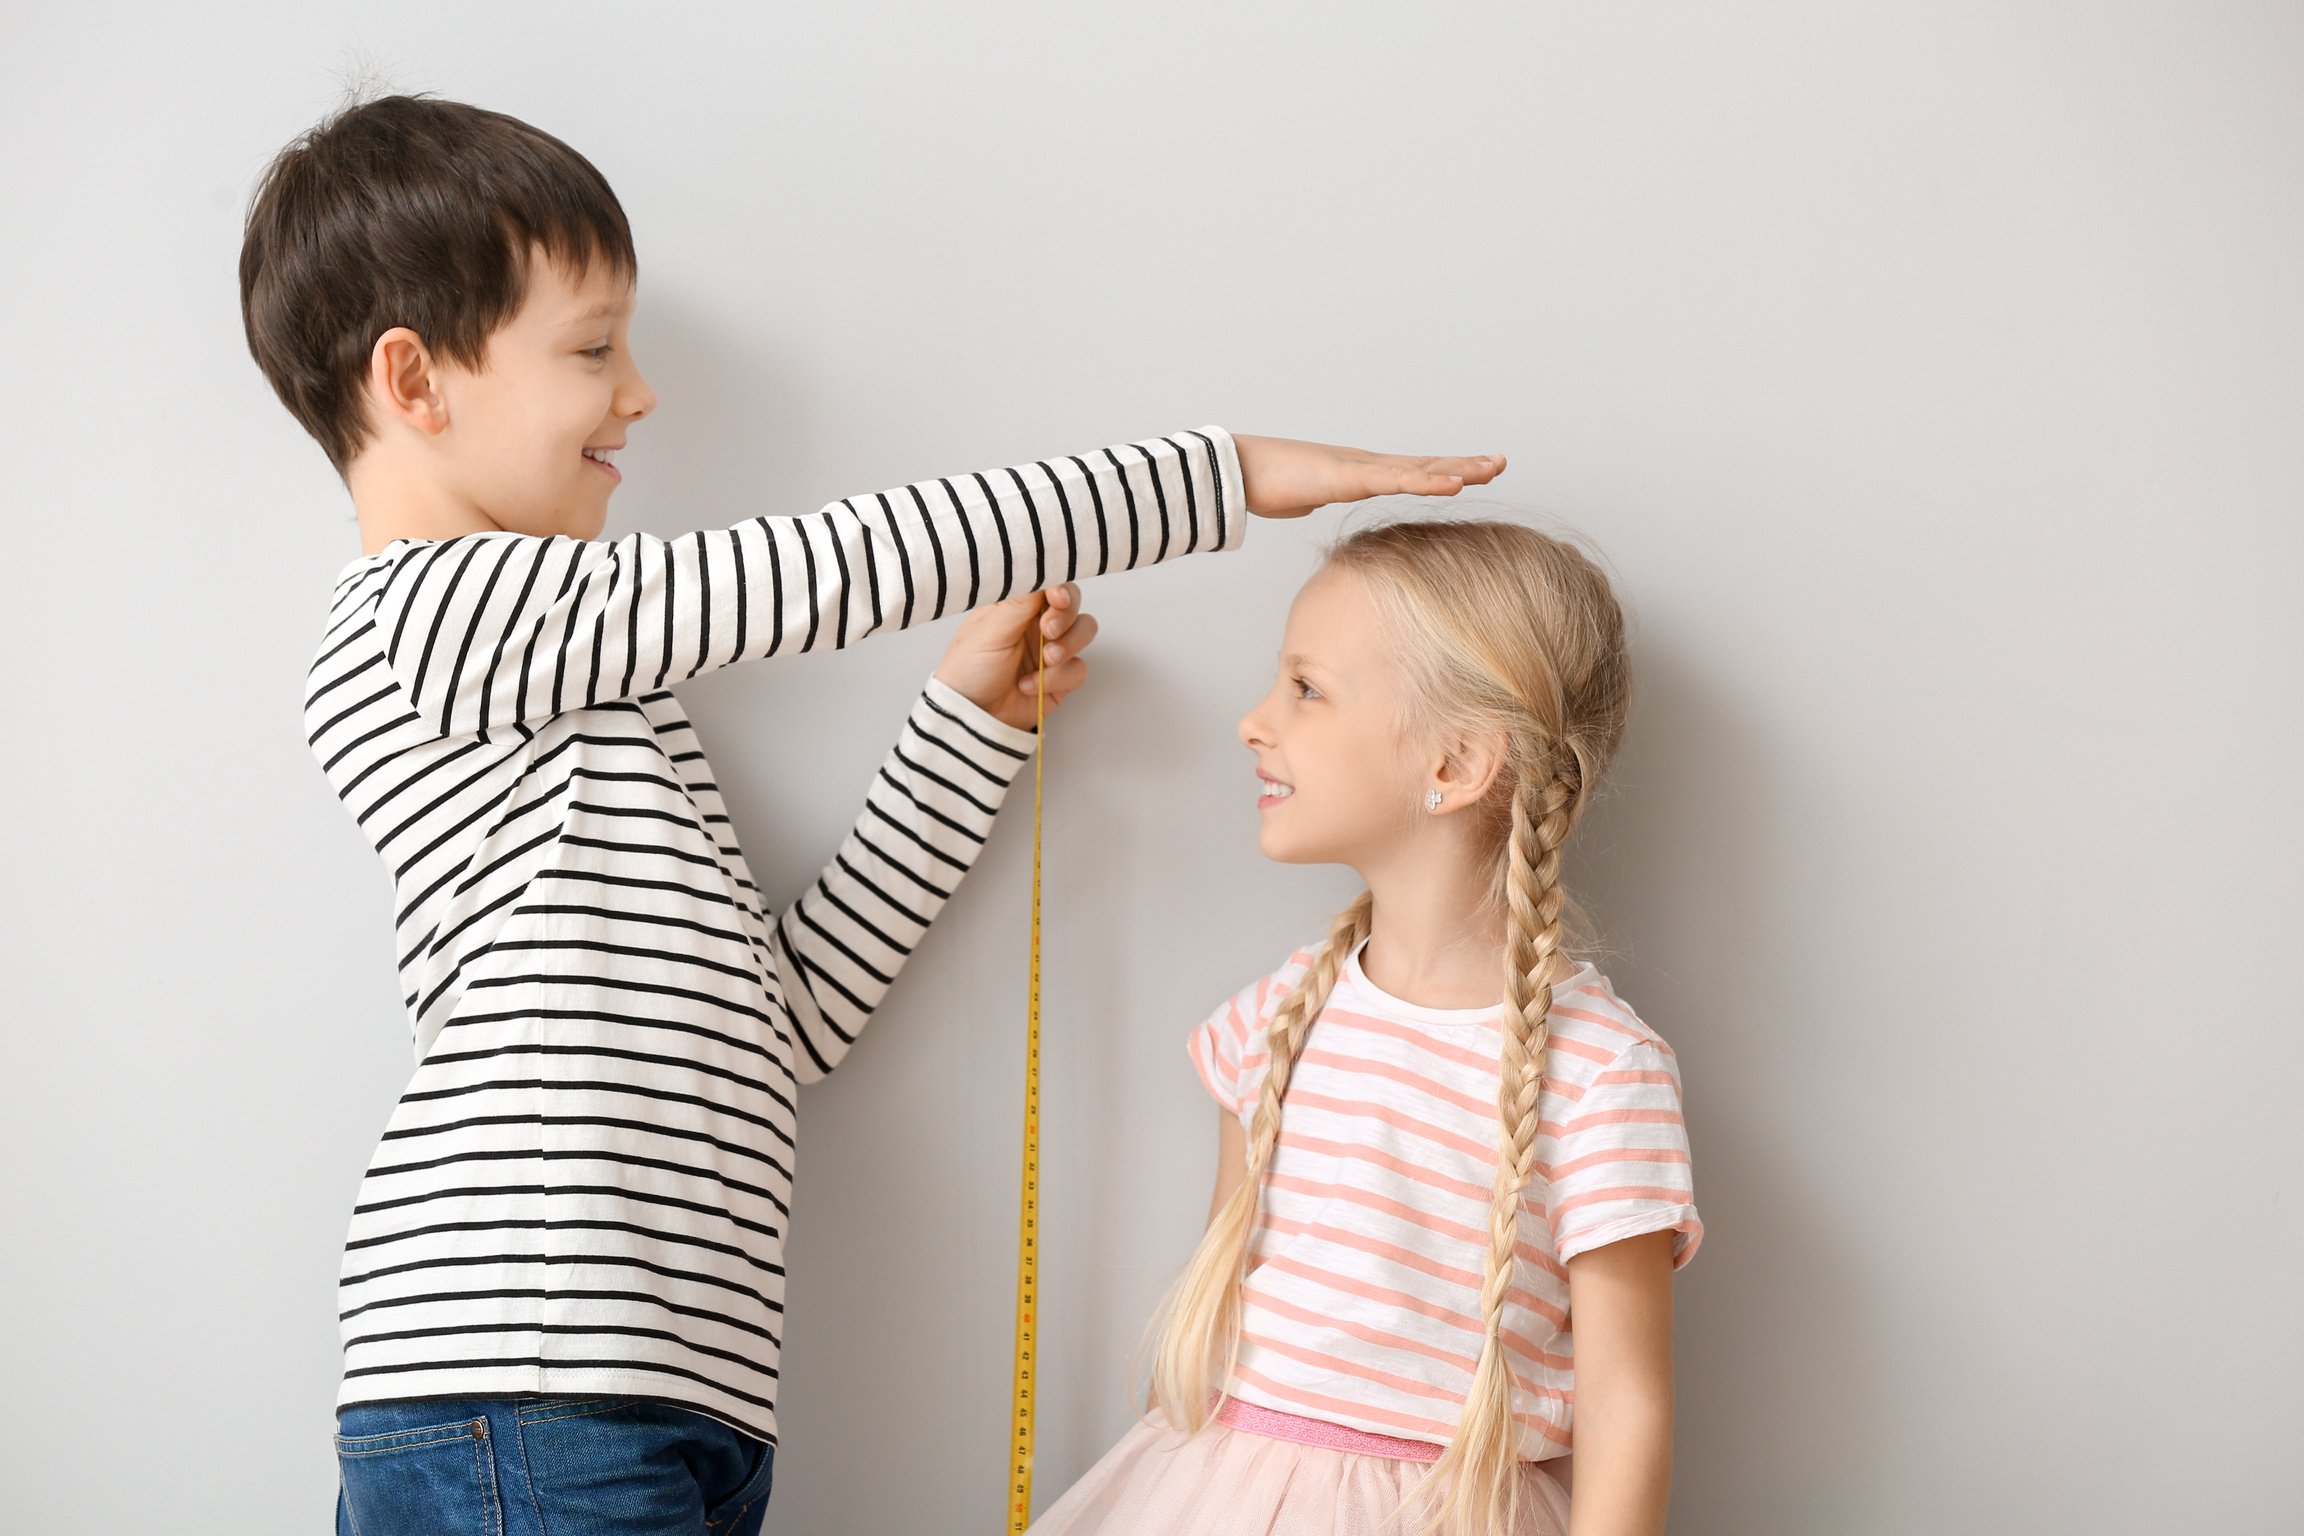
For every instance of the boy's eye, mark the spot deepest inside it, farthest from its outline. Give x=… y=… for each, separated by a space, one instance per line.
x=599 y=353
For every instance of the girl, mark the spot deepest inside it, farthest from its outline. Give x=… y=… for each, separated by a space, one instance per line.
x=1441 y=1136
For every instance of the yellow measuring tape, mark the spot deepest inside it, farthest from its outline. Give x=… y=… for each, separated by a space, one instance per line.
x=1028 y=1218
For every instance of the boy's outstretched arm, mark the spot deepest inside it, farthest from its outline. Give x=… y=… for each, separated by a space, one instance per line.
x=926 y=815
x=492 y=630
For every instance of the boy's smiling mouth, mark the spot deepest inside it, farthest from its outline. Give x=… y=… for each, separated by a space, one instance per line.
x=604 y=456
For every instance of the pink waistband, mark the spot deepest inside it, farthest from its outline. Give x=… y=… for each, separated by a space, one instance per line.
x=1275 y=1425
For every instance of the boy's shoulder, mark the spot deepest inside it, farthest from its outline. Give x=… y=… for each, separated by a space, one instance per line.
x=365 y=574
x=400 y=568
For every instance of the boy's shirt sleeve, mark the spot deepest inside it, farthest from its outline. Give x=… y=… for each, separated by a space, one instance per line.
x=1622 y=1166
x=491 y=630
x=925 y=818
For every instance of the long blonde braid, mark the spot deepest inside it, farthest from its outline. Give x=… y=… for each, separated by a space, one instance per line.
x=1199 y=1323
x=1475 y=1485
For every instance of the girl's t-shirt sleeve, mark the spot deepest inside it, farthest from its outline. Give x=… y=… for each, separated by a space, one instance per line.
x=1623 y=1167
x=1227 y=1048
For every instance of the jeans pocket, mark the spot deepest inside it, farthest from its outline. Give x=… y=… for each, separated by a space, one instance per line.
x=546 y=1410
x=438 y=1481
x=743 y=1513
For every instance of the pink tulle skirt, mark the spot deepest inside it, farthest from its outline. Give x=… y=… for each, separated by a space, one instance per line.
x=1258 y=1473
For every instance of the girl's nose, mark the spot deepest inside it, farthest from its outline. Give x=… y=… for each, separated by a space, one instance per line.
x=1251 y=732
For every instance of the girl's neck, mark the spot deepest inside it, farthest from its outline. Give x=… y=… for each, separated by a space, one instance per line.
x=1435 y=953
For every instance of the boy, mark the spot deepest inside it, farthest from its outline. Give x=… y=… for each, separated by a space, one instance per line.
x=562 y=1289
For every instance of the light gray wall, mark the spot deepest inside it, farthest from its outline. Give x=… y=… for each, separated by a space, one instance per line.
x=1930 y=374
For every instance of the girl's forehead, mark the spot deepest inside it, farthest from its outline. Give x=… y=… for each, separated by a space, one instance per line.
x=1327 y=601
x=1332 y=625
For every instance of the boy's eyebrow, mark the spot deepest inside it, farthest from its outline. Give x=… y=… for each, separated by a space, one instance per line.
x=607 y=309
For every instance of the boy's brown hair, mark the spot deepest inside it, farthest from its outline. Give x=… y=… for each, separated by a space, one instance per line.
x=407 y=211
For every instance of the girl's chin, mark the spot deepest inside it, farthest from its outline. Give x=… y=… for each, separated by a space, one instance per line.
x=1281 y=851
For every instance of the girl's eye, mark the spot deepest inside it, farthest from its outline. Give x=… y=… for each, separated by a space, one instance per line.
x=1305 y=689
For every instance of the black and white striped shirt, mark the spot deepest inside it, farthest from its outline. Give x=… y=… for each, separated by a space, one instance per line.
x=586 y=1185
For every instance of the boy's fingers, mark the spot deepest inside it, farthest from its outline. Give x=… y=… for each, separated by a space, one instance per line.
x=1061 y=680
x=1078 y=635
x=1070 y=629
x=1478 y=469
x=1433 y=476
x=1429 y=482
x=1082 y=635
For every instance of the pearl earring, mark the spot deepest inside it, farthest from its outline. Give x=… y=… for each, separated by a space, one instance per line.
x=1432 y=800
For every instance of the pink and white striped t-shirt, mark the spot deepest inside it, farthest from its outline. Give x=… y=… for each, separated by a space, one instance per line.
x=1362 y=1303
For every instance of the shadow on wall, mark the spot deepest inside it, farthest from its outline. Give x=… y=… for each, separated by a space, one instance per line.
x=1127 y=1122
x=1132 y=819
x=1677 y=863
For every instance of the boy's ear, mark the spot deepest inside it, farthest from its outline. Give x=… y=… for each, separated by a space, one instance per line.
x=403 y=384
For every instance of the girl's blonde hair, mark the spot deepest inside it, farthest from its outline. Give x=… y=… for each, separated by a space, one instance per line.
x=1504 y=633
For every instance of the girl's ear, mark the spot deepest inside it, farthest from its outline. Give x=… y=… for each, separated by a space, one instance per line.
x=1468 y=770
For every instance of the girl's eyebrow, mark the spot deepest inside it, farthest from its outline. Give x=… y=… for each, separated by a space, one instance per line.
x=1305 y=663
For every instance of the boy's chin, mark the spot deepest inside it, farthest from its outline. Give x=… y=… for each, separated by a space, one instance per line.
x=580 y=522
x=567 y=520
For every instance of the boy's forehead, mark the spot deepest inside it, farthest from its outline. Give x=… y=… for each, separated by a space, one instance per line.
x=561 y=297
x=602 y=309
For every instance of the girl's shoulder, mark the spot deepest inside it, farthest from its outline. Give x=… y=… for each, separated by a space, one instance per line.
x=1589 y=1022
x=1225 y=1046
x=1591 y=1029
x=1255 y=1003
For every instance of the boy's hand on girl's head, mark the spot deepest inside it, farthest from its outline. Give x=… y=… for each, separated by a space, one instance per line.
x=995 y=658
x=1286 y=478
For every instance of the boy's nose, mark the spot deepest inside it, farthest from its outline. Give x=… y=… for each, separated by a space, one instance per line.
x=638 y=398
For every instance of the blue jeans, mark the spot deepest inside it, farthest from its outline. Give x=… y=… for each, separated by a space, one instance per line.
x=546 y=1466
